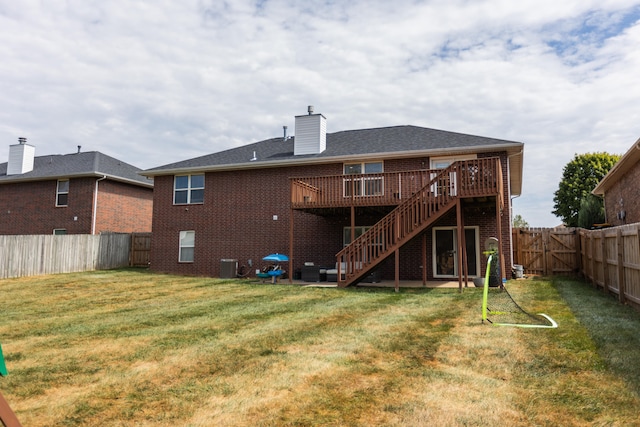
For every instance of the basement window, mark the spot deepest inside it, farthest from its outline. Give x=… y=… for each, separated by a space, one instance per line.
x=187 y=246
x=188 y=189
x=62 y=192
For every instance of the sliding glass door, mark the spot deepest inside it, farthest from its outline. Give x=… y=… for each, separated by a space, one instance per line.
x=445 y=252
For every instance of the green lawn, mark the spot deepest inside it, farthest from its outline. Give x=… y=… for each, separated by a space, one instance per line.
x=125 y=347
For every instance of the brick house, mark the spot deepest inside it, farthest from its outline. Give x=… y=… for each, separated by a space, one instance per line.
x=621 y=190
x=80 y=193
x=404 y=202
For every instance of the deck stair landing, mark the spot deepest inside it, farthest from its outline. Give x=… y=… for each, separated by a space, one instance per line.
x=473 y=178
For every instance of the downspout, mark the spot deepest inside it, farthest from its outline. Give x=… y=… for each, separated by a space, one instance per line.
x=95 y=205
x=511 y=204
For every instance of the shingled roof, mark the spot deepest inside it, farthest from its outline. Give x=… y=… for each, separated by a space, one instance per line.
x=84 y=164
x=396 y=141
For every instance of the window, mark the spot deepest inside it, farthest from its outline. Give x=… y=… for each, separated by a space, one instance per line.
x=62 y=192
x=447 y=184
x=358 y=231
x=59 y=231
x=188 y=189
x=187 y=246
x=363 y=186
x=444 y=162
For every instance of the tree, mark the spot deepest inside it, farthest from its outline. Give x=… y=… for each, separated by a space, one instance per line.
x=579 y=177
x=591 y=211
x=519 y=222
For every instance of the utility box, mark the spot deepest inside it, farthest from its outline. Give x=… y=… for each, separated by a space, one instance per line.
x=228 y=268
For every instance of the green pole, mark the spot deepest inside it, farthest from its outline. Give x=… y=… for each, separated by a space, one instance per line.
x=485 y=293
x=3 y=366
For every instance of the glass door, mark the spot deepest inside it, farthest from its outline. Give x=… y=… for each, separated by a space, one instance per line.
x=445 y=253
x=445 y=259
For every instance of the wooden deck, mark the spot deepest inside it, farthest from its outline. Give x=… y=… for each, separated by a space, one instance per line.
x=418 y=199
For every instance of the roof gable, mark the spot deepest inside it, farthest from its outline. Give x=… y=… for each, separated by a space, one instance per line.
x=628 y=161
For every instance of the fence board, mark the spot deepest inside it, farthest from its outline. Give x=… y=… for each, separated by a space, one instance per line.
x=33 y=255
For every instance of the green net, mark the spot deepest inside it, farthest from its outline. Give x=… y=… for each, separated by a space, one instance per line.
x=502 y=308
x=499 y=308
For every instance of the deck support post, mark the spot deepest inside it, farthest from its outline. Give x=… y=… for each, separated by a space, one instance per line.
x=424 y=259
x=291 y=253
x=499 y=236
x=463 y=267
x=460 y=243
x=397 y=278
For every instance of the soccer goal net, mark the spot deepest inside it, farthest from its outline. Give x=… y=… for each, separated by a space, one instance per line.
x=499 y=308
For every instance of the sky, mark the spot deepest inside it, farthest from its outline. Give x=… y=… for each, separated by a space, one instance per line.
x=155 y=82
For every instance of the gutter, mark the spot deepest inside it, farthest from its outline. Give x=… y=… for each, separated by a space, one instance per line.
x=326 y=159
x=95 y=205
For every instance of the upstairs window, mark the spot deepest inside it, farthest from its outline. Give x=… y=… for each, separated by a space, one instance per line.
x=62 y=192
x=364 y=186
x=445 y=162
x=188 y=189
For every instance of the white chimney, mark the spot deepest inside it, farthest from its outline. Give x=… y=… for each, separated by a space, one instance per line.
x=21 y=157
x=310 y=133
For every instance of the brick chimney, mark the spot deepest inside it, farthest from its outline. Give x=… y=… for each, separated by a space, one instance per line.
x=21 y=157
x=310 y=134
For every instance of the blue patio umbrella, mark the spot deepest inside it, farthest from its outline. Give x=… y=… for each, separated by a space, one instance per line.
x=276 y=258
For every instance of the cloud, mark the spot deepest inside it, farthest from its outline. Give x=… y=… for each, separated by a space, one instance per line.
x=157 y=82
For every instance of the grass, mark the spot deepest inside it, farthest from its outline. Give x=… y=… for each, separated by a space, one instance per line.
x=124 y=347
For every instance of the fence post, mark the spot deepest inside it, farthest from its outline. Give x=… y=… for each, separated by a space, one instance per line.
x=578 y=246
x=621 y=284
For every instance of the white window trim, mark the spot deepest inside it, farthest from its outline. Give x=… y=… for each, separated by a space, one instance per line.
x=362 y=179
x=58 y=192
x=59 y=229
x=188 y=189
x=183 y=234
x=450 y=159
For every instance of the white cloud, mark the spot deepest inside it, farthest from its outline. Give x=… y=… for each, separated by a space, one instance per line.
x=157 y=82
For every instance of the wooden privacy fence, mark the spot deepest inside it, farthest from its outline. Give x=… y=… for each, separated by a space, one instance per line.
x=546 y=251
x=611 y=260
x=30 y=255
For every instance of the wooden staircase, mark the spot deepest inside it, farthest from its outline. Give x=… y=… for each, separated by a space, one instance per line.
x=474 y=178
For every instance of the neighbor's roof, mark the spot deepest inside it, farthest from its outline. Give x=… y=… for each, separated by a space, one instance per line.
x=624 y=165
x=84 y=164
x=369 y=144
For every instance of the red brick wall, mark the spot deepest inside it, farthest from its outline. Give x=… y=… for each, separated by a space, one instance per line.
x=236 y=221
x=30 y=207
x=123 y=208
x=624 y=195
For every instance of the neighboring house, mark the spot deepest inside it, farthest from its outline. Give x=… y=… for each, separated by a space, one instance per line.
x=81 y=193
x=621 y=189
x=390 y=200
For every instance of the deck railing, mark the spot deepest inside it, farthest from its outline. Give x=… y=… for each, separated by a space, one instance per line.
x=473 y=178
x=476 y=178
